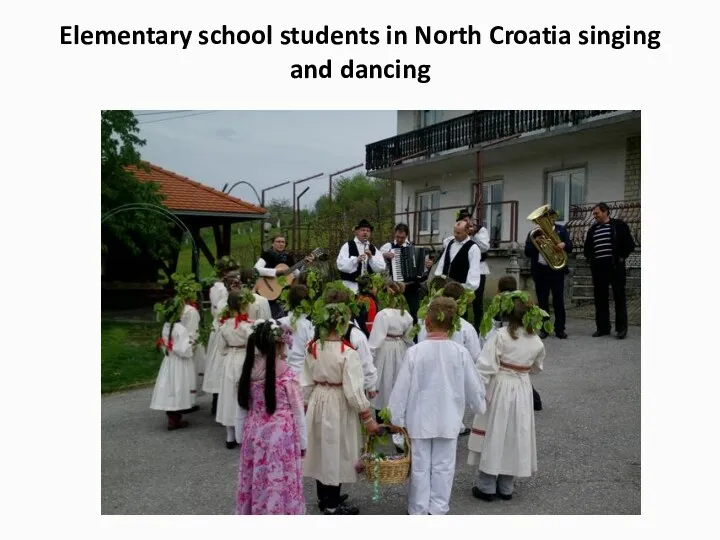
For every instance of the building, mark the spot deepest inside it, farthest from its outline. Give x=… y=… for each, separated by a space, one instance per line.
x=505 y=164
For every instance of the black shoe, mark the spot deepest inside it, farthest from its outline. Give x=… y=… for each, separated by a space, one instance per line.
x=561 y=334
x=231 y=444
x=543 y=334
x=537 y=406
x=343 y=510
x=322 y=506
x=464 y=432
x=600 y=334
x=481 y=495
x=622 y=335
x=504 y=497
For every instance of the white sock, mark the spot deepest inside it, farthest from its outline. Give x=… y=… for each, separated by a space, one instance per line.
x=230 y=433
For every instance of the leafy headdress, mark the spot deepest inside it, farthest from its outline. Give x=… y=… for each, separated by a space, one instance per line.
x=246 y=298
x=353 y=303
x=329 y=318
x=388 y=299
x=313 y=282
x=465 y=300
x=503 y=304
x=225 y=264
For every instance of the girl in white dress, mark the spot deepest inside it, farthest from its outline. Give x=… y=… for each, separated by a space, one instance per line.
x=215 y=364
x=389 y=340
x=332 y=382
x=302 y=328
x=175 y=385
x=234 y=331
x=502 y=442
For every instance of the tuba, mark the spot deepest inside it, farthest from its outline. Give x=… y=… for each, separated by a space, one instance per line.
x=546 y=239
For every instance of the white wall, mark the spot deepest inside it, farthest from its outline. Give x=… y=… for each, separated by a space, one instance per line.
x=524 y=179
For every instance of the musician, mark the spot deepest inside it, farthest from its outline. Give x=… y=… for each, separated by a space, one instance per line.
x=481 y=237
x=460 y=260
x=359 y=256
x=549 y=281
x=412 y=288
x=267 y=262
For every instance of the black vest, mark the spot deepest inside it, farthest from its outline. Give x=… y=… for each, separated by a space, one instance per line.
x=353 y=252
x=272 y=258
x=460 y=266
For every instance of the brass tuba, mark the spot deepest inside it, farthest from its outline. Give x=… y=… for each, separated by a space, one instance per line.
x=546 y=239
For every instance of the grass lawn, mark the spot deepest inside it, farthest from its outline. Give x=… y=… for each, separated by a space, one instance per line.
x=128 y=355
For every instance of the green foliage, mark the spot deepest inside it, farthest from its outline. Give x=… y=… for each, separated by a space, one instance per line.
x=504 y=303
x=329 y=318
x=128 y=356
x=313 y=281
x=186 y=287
x=139 y=231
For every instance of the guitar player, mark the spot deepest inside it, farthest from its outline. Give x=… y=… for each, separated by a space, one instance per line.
x=412 y=290
x=267 y=262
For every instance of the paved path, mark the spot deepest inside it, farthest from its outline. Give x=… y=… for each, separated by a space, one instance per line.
x=588 y=446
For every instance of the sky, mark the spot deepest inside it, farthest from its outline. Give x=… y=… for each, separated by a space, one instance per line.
x=262 y=148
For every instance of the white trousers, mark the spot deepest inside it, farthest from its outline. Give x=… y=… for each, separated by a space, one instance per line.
x=431 y=476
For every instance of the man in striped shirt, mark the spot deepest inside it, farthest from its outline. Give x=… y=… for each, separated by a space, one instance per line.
x=607 y=244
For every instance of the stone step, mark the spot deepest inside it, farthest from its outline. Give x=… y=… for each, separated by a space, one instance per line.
x=584 y=270
x=632 y=281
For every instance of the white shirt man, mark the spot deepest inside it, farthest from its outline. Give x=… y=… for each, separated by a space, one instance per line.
x=357 y=251
x=470 y=278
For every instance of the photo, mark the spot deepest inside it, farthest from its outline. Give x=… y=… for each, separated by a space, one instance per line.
x=358 y=312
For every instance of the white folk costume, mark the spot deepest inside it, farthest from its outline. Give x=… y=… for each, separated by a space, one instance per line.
x=467 y=337
x=436 y=381
x=303 y=333
x=350 y=268
x=234 y=334
x=215 y=356
x=389 y=341
x=332 y=383
x=175 y=384
x=260 y=308
x=190 y=319
x=359 y=342
x=502 y=441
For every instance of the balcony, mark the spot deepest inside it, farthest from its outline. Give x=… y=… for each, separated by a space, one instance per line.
x=467 y=131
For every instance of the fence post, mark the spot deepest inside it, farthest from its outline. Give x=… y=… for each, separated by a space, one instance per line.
x=513 y=268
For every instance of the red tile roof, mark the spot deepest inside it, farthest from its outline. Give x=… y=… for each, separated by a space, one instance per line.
x=184 y=194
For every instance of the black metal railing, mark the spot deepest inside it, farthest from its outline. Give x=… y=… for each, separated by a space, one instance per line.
x=465 y=132
x=581 y=220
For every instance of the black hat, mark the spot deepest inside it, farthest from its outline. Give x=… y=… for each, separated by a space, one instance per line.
x=364 y=224
x=463 y=213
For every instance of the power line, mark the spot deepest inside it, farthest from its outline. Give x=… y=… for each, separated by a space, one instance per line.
x=177 y=117
x=160 y=112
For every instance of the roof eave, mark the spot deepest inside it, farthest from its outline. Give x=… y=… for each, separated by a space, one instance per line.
x=205 y=213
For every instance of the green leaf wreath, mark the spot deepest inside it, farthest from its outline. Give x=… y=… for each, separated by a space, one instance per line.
x=313 y=282
x=353 y=304
x=504 y=303
x=171 y=310
x=246 y=298
x=186 y=287
x=465 y=300
x=328 y=318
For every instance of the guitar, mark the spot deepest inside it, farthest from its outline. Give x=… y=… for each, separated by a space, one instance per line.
x=270 y=287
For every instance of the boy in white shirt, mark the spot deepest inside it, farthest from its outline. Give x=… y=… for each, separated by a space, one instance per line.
x=436 y=380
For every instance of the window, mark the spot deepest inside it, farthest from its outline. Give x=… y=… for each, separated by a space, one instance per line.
x=428 y=118
x=493 y=211
x=564 y=189
x=427 y=205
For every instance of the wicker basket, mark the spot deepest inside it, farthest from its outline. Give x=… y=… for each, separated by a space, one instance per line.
x=390 y=472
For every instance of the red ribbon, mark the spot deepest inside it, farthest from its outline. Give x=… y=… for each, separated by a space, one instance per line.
x=243 y=317
x=162 y=343
x=193 y=304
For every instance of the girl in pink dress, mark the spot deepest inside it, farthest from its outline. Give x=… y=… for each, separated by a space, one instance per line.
x=270 y=427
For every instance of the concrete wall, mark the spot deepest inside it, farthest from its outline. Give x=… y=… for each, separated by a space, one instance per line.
x=523 y=170
x=632 y=168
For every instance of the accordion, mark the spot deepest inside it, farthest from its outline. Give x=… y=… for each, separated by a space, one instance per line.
x=408 y=265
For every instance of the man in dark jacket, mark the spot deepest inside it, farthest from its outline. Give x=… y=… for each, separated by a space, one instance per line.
x=549 y=281
x=607 y=245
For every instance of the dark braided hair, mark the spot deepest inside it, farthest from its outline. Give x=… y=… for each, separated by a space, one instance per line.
x=264 y=340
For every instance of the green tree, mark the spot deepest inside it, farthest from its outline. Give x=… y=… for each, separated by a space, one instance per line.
x=144 y=235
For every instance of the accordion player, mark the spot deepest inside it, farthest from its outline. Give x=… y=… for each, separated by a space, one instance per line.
x=408 y=264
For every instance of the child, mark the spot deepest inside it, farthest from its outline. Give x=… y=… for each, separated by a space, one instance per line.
x=270 y=427
x=215 y=364
x=368 y=304
x=505 y=284
x=190 y=319
x=260 y=308
x=234 y=333
x=436 y=381
x=332 y=382
x=389 y=341
x=502 y=442
x=175 y=385
x=302 y=329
